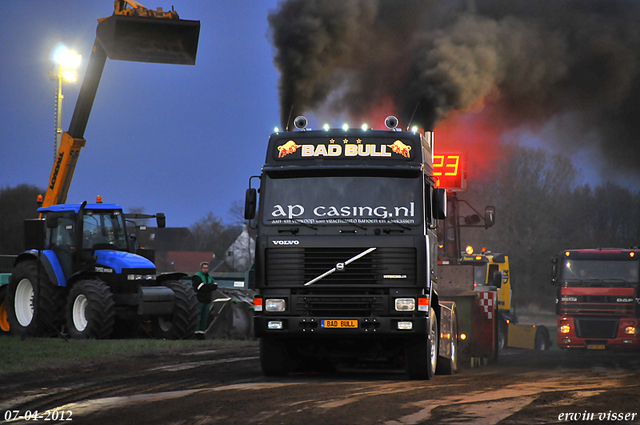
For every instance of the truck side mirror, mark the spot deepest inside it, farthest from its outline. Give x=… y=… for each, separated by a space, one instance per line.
x=161 y=220
x=554 y=270
x=496 y=279
x=35 y=233
x=489 y=216
x=439 y=204
x=250 y=203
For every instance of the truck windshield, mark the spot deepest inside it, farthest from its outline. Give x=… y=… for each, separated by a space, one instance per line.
x=600 y=270
x=104 y=228
x=480 y=274
x=338 y=199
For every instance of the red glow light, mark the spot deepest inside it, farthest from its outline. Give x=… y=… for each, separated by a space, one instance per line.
x=475 y=134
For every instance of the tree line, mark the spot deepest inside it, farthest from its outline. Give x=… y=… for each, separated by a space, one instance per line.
x=542 y=210
x=210 y=233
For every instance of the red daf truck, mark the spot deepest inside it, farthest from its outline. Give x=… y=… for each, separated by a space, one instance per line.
x=598 y=298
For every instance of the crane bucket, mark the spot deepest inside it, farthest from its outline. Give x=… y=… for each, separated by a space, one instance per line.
x=148 y=39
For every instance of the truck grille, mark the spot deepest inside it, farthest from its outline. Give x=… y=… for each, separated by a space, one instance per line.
x=350 y=304
x=296 y=266
x=598 y=305
x=596 y=328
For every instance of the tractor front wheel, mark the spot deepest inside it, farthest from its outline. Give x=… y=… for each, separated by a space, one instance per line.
x=90 y=310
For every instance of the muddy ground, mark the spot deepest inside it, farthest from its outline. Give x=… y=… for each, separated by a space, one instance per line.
x=225 y=386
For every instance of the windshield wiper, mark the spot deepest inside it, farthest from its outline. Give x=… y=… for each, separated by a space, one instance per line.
x=403 y=227
x=340 y=266
x=341 y=220
x=296 y=221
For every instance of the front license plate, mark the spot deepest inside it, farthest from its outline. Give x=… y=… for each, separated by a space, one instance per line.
x=342 y=324
x=595 y=347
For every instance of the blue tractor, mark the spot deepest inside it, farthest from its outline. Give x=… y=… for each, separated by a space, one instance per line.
x=82 y=272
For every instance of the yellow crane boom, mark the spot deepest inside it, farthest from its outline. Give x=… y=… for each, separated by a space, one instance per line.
x=131 y=34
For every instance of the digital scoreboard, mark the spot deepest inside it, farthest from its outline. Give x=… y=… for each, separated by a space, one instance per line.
x=449 y=170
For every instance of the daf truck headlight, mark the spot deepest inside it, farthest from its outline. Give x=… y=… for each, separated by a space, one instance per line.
x=275 y=305
x=405 y=304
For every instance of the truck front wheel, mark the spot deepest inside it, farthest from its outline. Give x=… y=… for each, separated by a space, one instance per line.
x=90 y=310
x=421 y=356
x=34 y=304
x=542 y=339
x=183 y=322
x=449 y=365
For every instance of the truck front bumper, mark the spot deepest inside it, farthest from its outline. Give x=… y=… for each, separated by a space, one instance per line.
x=625 y=334
x=352 y=327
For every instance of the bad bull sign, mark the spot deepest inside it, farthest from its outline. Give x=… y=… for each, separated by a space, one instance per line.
x=344 y=148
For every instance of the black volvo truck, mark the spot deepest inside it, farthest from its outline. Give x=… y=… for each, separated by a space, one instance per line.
x=346 y=252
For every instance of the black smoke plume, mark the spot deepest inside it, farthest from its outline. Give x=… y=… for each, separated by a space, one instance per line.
x=534 y=62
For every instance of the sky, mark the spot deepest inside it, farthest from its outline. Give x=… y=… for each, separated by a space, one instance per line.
x=178 y=139
x=185 y=140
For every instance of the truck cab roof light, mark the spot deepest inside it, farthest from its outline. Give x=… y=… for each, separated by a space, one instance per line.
x=301 y=123
x=391 y=122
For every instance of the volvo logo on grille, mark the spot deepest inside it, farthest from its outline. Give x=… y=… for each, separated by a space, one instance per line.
x=284 y=242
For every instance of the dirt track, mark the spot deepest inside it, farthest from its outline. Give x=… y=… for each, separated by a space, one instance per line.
x=225 y=386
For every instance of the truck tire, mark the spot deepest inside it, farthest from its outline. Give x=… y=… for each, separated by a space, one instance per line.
x=182 y=324
x=91 y=310
x=421 y=356
x=35 y=306
x=449 y=365
x=275 y=357
x=502 y=336
x=542 y=339
x=493 y=358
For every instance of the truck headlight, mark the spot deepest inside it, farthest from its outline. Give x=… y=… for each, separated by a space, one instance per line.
x=630 y=330
x=565 y=329
x=405 y=304
x=275 y=304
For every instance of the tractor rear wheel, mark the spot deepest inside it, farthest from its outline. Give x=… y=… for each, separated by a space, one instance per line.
x=35 y=306
x=182 y=324
x=90 y=310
